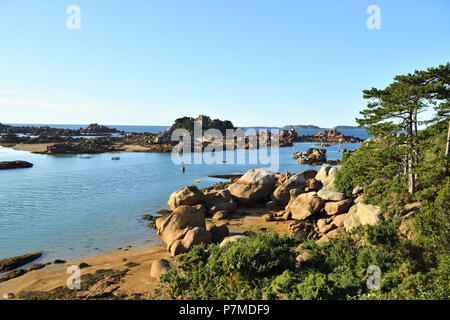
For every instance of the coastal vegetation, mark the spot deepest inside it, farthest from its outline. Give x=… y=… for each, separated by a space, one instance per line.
x=378 y=227
x=188 y=124
x=409 y=247
x=402 y=170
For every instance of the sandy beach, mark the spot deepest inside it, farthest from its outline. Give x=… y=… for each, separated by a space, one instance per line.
x=137 y=282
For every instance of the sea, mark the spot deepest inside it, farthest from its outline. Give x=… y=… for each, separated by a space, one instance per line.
x=70 y=207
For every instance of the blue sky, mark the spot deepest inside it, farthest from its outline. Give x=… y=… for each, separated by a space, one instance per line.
x=254 y=62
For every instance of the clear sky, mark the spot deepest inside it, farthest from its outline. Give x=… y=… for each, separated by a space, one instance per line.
x=254 y=62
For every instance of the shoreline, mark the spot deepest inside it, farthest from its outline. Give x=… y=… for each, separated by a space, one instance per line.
x=58 y=141
x=137 y=282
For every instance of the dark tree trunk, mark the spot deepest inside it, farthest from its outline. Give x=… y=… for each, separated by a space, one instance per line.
x=447 y=150
x=411 y=154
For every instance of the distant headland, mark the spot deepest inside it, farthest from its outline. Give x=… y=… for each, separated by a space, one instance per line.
x=97 y=138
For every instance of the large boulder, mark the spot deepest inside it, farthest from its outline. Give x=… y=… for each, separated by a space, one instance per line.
x=196 y=236
x=326 y=175
x=323 y=173
x=328 y=192
x=282 y=192
x=220 y=215
x=218 y=232
x=336 y=207
x=221 y=200
x=175 y=226
x=297 y=181
x=313 y=156
x=313 y=185
x=304 y=205
x=232 y=239
x=293 y=194
x=362 y=214
x=188 y=196
x=253 y=186
x=159 y=267
x=304 y=256
x=338 y=220
x=330 y=235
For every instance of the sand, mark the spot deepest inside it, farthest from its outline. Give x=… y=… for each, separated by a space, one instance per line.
x=138 y=279
x=35 y=148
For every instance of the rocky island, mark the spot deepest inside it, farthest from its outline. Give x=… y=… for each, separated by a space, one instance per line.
x=100 y=139
x=18 y=164
x=314 y=157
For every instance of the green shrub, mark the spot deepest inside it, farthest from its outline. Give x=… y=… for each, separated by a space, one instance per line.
x=315 y=286
x=383 y=233
x=241 y=269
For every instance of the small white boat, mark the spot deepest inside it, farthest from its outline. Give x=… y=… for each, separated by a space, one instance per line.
x=85 y=156
x=115 y=158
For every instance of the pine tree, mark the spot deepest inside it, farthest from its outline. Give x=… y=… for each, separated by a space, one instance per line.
x=394 y=112
x=439 y=77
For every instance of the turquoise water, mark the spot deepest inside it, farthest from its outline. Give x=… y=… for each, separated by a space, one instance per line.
x=70 y=207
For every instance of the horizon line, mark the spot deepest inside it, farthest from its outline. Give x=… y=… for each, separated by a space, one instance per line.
x=156 y=125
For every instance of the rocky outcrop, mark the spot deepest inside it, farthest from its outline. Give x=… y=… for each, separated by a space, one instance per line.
x=188 y=196
x=334 y=136
x=362 y=214
x=175 y=226
x=91 y=130
x=219 y=200
x=319 y=215
x=326 y=175
x=313 y=185
x=303 y=230
x=328 y=192
x=16 y=262
x=12 y=274
x=220 y=215
x=218 y=233
x=337 y=207
x=96 y=129
x=304 y=205
x=282 y=192
x=304 y=256
x=253 y=186
x=15 y=165
x=329 y=235
x=196 y=236
x=322 y=137
x=232 y=239
x=185 y=227
x=313 y=156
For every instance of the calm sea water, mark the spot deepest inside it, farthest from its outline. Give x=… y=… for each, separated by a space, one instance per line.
x=70 y=207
